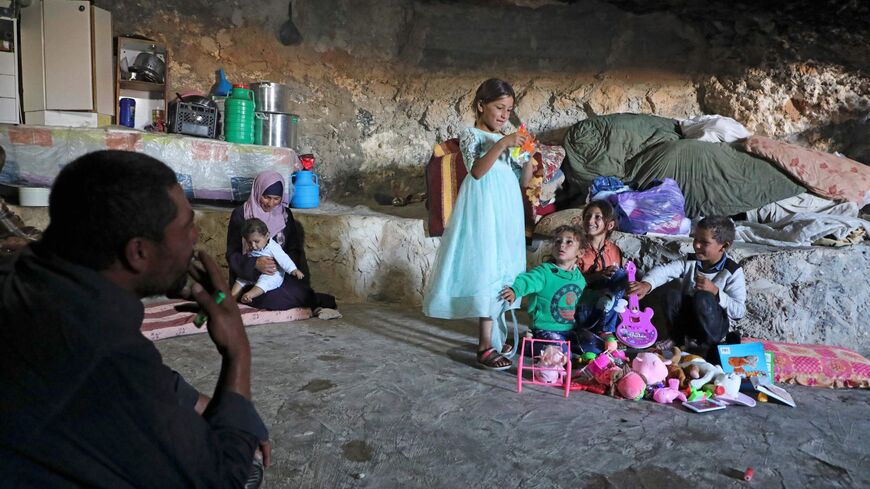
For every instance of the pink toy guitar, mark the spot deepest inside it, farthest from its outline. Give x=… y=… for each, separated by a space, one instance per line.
x=635 y=329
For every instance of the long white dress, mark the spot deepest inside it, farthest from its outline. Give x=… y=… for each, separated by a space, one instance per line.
x=483 y=247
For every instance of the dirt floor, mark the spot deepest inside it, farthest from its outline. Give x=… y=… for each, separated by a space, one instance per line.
x=385 y=398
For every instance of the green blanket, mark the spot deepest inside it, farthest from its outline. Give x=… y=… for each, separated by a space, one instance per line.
x=715 y=178
x=601 y=145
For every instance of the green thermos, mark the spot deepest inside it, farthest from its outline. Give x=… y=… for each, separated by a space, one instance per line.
x=239 y=113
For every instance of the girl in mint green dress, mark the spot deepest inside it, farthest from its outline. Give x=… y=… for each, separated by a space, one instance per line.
x=483 y=247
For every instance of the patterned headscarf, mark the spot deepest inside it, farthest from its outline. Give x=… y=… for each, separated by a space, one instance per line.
x=277 y=218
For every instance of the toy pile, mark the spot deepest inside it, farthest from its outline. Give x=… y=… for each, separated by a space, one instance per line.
x=649 y=375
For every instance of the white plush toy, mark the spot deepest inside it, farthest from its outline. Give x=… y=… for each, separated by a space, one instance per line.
x=701 y=371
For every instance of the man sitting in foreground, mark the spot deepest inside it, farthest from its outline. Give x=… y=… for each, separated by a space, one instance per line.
x=85 y=399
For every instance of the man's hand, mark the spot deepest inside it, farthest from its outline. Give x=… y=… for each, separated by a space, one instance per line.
x=266 y=264
x=639 y=288
x=266 y=451
x=508 y=295
x=705 y=284
x=224 y=326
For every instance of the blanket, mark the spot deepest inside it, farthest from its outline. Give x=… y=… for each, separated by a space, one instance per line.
x=715 y=178
x=601 y=145
x=822 y=173
x=162 y=320
x=641 y=148
x=803 y=229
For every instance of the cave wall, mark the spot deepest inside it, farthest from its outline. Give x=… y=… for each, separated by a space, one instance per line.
x=378 y=83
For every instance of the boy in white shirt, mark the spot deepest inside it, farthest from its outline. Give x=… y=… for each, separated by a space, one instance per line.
x=712 y=292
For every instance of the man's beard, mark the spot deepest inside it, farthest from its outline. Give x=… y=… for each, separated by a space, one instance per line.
x=173 y=290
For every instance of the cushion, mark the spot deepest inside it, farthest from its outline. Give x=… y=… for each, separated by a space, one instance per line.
x=444 y=174
x=550 y=222
x=816 y=365
x=162 y=319
x=822 y=173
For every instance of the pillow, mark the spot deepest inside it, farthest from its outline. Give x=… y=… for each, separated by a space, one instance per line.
x=816 y=365
x=550 y=222
x=444 y=174
x=822 y=173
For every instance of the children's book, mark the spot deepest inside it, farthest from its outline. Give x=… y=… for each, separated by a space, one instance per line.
x=704 y=405
x=746 y=359
x=763 y=384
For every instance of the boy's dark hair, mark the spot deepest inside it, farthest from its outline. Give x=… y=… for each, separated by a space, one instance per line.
x=578 y=233
x=254 y=225
x=721 y=226
x=102 y=200
x=490 y=90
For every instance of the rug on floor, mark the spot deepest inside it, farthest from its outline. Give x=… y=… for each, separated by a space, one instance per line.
x=162 y=320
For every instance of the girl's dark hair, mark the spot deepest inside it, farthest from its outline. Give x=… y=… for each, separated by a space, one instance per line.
x=254 y=225
x=606 y=208
x=607 y=211
x=490 y=90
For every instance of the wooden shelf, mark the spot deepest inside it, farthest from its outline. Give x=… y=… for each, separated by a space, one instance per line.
x=143 y=86
x=150 y=95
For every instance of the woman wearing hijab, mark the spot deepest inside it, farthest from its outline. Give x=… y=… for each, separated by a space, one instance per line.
x=265 y=203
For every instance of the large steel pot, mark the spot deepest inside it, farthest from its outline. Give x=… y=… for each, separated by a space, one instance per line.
x=273 y=129
x=271 y=97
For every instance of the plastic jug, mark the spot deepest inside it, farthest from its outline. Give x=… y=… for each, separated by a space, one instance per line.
x=307 y=190
x=239 y=110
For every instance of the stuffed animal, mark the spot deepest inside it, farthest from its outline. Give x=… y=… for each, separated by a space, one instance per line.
x=646 y=369
x=550 y=365
x=674 y=369
x=727 y=389
x=701 y=371
x=669 y=394
x=727 y=385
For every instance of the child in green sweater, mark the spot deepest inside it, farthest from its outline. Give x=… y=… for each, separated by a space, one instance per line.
x=555 y=288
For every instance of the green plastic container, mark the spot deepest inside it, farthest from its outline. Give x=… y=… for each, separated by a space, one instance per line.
x=240 y=115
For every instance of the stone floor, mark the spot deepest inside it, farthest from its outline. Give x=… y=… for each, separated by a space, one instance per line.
x=385 y=398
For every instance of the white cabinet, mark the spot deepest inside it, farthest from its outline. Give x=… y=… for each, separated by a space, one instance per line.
x=66 y=57
x=10 y=111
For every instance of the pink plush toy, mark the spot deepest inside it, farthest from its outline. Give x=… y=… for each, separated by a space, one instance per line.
x=646 y=369
x=551 y=364
x=669 y=394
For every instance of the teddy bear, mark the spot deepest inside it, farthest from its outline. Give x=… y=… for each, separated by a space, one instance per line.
x=701 y=371
x=646 y=369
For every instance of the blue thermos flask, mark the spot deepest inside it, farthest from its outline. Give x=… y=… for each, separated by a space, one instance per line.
x=127 y=117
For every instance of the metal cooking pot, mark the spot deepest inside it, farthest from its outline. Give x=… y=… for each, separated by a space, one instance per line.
x=149 y=67
x=271 y=97
x=273 y=129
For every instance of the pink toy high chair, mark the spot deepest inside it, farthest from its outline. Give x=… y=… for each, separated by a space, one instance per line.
x=564 y=373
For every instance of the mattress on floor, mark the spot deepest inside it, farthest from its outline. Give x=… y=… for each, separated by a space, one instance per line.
x=206 y=168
